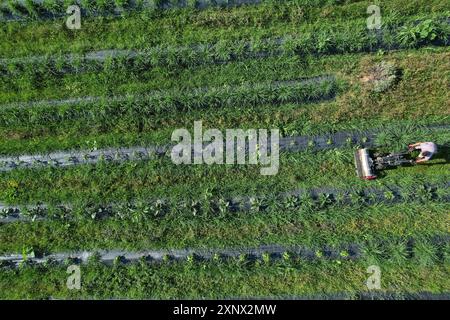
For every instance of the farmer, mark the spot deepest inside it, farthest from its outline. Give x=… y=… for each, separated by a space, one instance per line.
x=427 y=149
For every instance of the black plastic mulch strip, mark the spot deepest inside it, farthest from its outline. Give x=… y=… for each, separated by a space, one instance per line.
x=389 y=194
x=351 y=251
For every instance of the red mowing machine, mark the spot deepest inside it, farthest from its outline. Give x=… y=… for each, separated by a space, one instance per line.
x=367 y=164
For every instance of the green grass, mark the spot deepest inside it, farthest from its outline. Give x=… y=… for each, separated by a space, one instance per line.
x=174 y=101
x=344 y=37
x=221 y=280
x=357 y=107
x=115 y=82
x=161 y=178
x=347 y=37
x=323 y=38
x=304 y=225
x=184 y=26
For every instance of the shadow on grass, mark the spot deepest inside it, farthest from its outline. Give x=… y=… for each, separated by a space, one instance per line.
x=443 y=153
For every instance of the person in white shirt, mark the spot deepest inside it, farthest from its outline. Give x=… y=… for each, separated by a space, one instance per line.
x=427 y=150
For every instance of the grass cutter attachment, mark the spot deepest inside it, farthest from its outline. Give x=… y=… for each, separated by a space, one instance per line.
x=367 y=164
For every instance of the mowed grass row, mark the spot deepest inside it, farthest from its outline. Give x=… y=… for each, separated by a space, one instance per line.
x=224 y=279
x=289 y=225
x=184 y=26
x=105 y=182
x=423 y=83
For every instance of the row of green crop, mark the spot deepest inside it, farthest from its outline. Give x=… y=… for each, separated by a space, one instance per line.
x=263 y=254
x=109 y=111
x=266 y=256
x=234 y=277
x=48 y=86
x=221 y=206
x=307 y=226
x=172 y=29
x=324 y=39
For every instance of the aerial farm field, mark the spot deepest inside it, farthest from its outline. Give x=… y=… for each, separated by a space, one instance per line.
x=87 y=179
